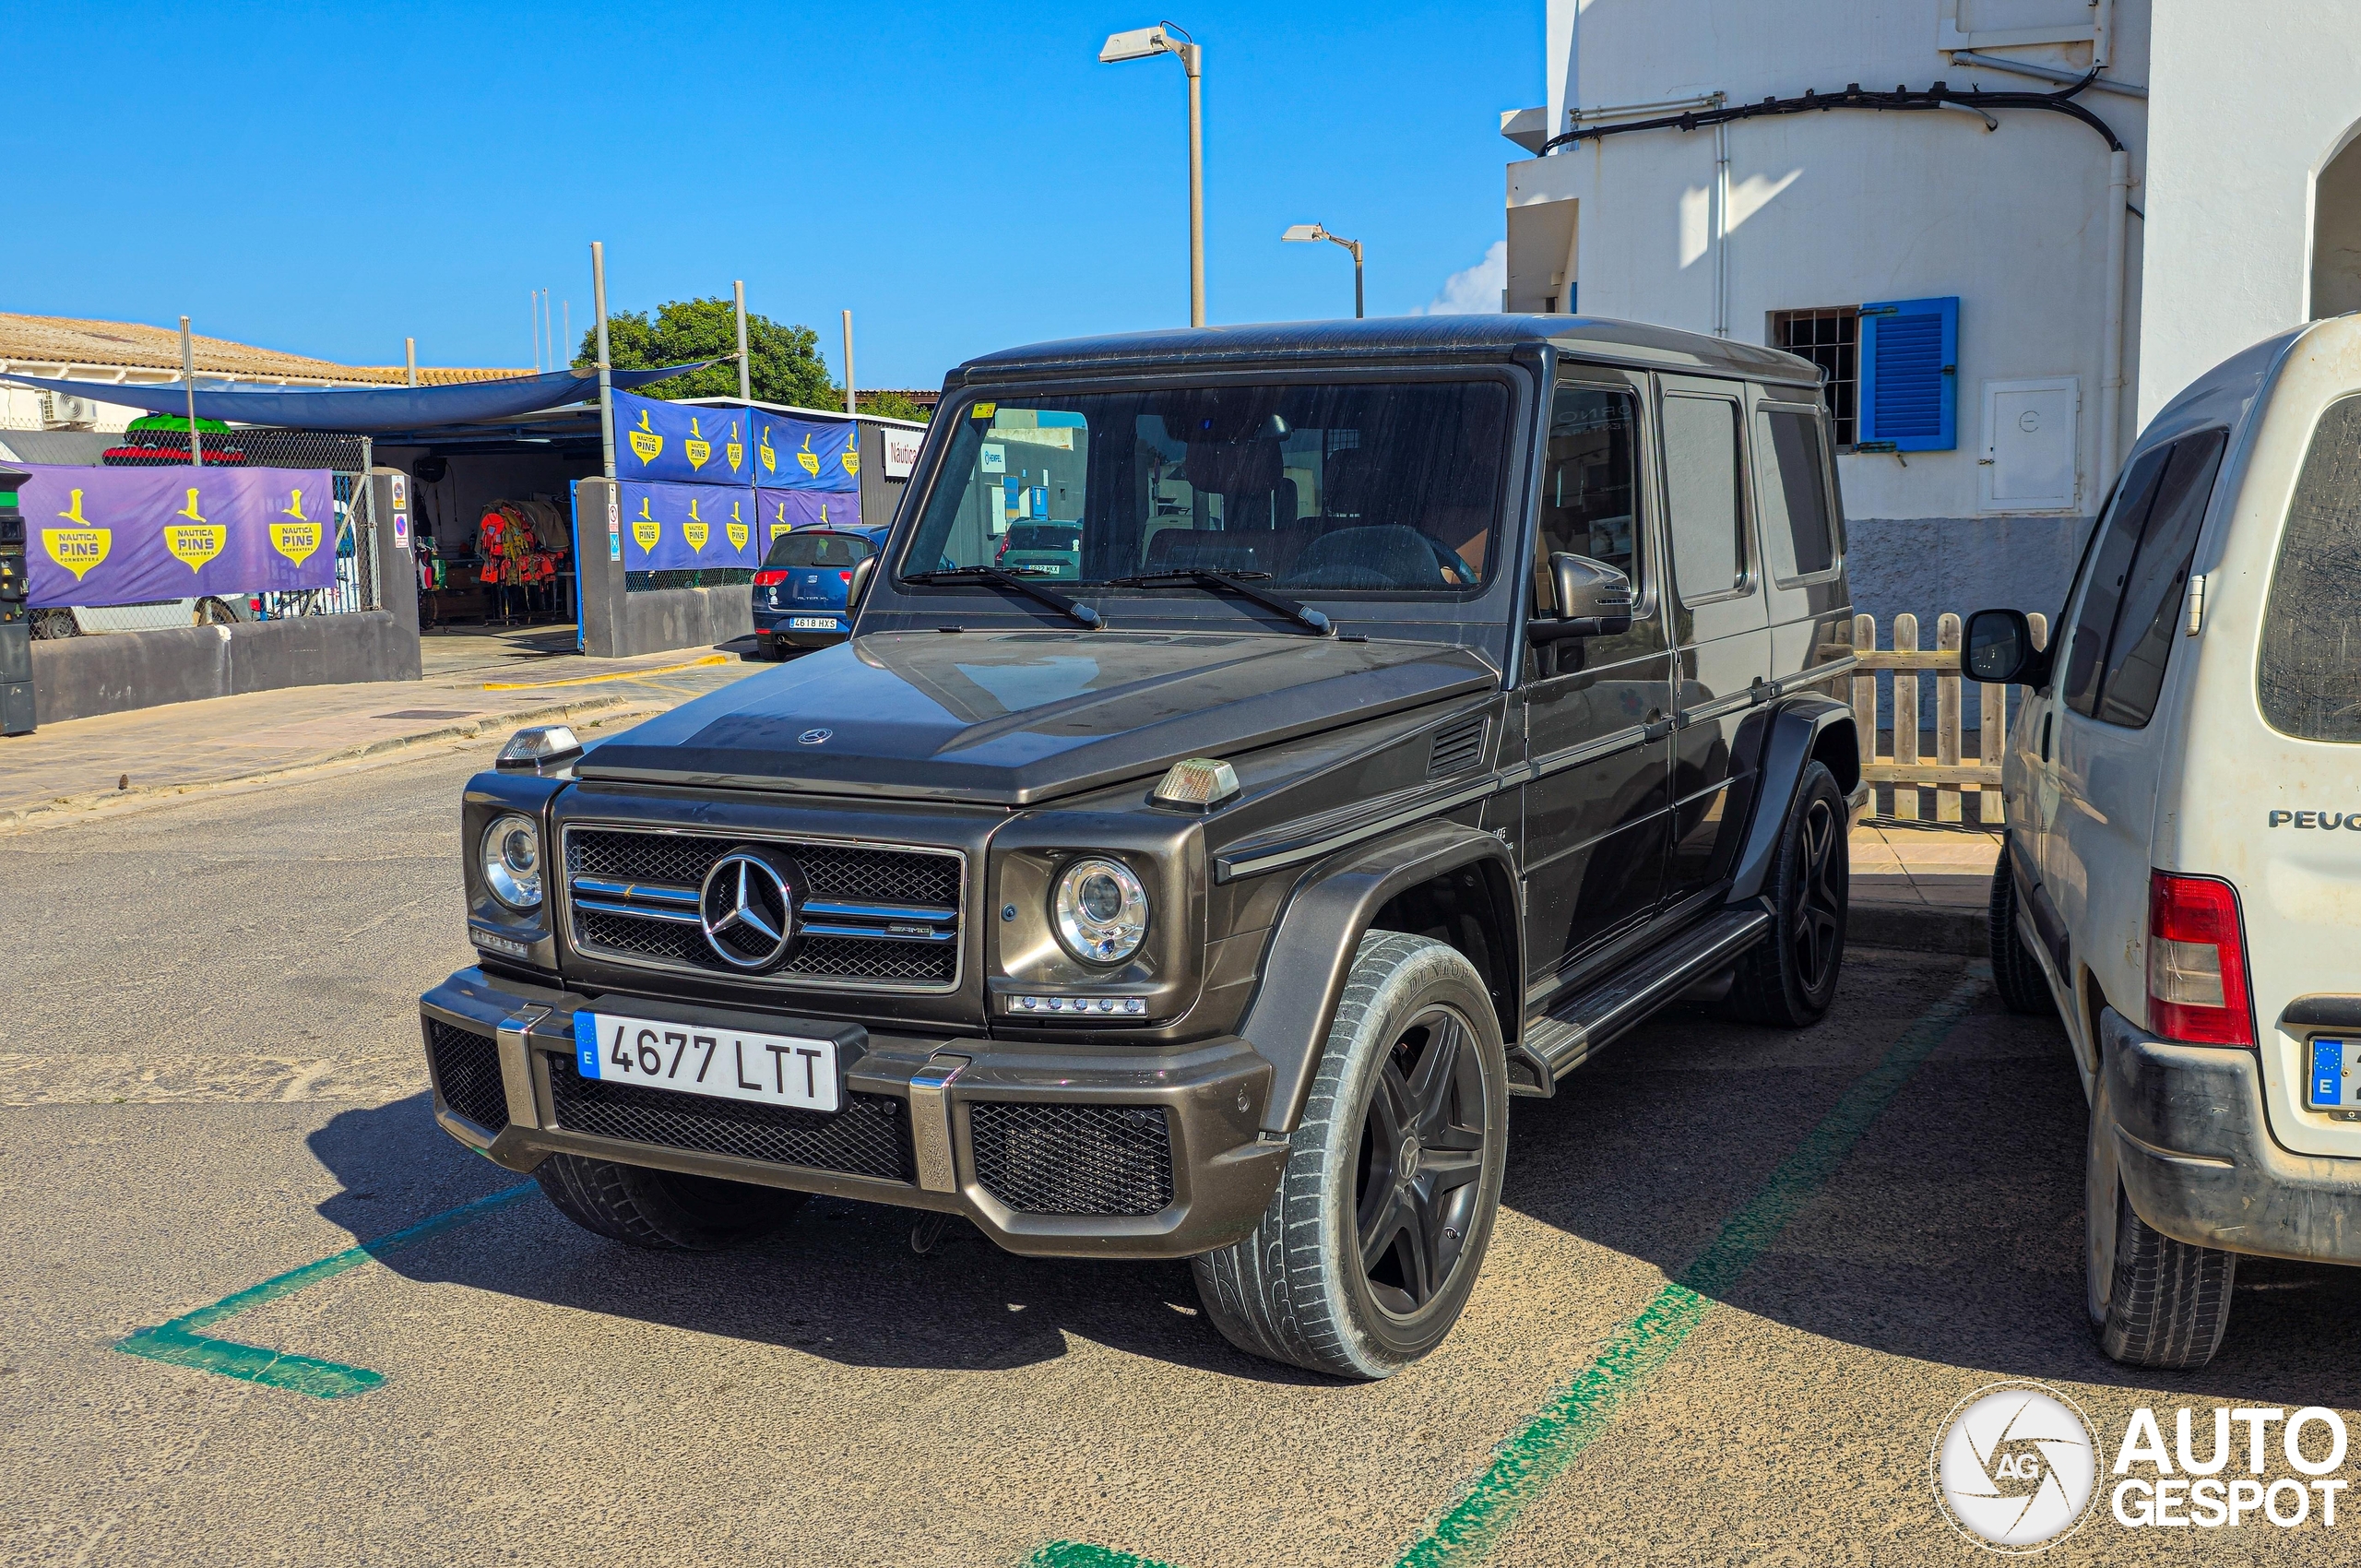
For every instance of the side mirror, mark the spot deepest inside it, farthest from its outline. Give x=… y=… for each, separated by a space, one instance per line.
x=861 y=572
x=1998 y=648
x=1593 y=600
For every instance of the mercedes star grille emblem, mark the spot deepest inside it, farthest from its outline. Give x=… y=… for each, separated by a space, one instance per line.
x=814 y=737
x=747 y=911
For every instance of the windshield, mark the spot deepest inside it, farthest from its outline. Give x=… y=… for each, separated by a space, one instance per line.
x=1384 y=488
x=812 y=548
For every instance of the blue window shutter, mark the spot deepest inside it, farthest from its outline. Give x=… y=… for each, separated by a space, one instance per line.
x=1910 y=375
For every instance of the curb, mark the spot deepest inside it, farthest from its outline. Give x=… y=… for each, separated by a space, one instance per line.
x=21 y=817
x=1918 y=929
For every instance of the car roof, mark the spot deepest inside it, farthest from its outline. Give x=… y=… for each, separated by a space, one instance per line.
x=1396 y=338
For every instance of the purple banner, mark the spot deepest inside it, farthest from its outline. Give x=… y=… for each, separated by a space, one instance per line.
x=786 y=509
x=120 y=536
x=680 y=527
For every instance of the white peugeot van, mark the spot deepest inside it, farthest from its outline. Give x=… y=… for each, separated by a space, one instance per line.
x=2182 y=879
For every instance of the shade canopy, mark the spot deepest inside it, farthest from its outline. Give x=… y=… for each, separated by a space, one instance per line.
x=357 y=410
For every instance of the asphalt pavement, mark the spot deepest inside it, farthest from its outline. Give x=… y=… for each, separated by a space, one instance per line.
x=1740 y=1278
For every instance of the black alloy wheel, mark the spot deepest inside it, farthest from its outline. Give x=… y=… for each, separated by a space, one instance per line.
x=1421 y=1163
x=1790 y=978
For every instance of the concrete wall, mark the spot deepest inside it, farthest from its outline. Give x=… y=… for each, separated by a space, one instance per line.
x=617 y=624
x=77 y=677
x=2262 y=96
x=1845 y=207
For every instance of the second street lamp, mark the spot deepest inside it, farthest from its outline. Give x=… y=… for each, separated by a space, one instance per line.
x=1166 y=38
x=1304 y=232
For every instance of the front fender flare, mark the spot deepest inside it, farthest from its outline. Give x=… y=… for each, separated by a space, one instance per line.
x=1797 y=727
x=1311 y=949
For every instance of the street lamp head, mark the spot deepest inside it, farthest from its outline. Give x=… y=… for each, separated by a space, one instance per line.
x=1305 y=232
x=1136 y=44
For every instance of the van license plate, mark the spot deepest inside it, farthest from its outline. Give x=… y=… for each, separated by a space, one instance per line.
x=721 y=1064
x=2334 y=1086
x=812 y=623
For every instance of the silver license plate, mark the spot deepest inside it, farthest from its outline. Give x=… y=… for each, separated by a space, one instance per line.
x=720 y=1063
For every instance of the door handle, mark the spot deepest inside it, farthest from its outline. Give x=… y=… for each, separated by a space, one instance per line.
x=2045 y=735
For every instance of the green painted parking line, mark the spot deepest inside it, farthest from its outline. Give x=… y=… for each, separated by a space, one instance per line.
x=1525 y=1467
x=1527 y=1462
x=179 y=1343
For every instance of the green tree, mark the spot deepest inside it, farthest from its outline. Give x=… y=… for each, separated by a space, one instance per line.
x=888 y=404
x=785 y=359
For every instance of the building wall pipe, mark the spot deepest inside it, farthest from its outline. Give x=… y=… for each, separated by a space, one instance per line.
x=2111 y=382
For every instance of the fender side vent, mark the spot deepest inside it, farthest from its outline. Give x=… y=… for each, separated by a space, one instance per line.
x=1457 y=749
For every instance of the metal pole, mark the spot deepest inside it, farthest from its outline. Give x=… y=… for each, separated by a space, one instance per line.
x=745 y=370
x=849 y=402
x=1358 y=296
x=1193 y=58
x=606 y=388
x=566 y=315
x=410 y=352
x=533 y=304
x=188 y=381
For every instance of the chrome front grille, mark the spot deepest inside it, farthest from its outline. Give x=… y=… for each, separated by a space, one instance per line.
x=875 y=917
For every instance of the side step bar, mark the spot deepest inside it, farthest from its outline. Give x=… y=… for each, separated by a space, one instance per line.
x=1558 y=1042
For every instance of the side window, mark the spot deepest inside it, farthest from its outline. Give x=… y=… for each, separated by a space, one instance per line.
x=1589 y=490
x=2308 y=678
x=1798 y=531
x=1700 y=463
x=2102 y=594
x=2149 y=622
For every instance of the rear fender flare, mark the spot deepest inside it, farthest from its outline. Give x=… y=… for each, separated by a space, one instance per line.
x=1799 y=729
x=1311 y=949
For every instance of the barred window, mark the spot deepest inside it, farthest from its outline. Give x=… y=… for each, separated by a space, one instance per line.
x=1830 y=338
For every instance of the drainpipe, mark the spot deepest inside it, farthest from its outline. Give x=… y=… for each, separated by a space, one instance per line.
x=1721 y=232
x=2119 y=197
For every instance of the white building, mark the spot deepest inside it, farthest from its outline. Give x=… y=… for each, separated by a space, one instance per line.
x=1999 y=298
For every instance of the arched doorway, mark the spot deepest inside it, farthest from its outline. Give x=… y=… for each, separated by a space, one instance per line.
x=2336 y=231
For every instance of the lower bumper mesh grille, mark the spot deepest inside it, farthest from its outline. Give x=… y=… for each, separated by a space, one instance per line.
x=866 y=1138
x=1098 y=1160
x=467 y=1072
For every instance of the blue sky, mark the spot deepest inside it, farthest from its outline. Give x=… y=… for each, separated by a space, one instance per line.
x=326 y=179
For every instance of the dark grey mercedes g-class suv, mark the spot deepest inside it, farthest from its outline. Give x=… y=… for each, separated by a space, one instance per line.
x=1422 y=704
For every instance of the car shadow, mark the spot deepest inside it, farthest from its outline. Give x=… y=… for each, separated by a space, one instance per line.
x=1950 y=1233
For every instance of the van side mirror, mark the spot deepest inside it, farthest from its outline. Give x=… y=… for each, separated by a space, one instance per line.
x=2000 y=649
x=861 y=572
x=1593 y=600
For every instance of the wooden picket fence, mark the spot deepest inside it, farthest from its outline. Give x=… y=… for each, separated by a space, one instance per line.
x=1910 y=775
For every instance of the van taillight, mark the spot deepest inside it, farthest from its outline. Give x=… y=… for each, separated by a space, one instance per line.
x=2197 y=962
x=769 y=579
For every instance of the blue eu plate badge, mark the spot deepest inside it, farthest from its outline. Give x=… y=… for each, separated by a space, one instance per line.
x=2331 y=1090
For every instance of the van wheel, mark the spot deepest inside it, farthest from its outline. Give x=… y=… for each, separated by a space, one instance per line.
x=2015 y=972
x=2153 y=1302
x=662 y=1210
x=1789 y=977
x=1374 y=1239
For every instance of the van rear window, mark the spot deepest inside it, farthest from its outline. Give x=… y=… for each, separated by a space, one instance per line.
x=2308 y=679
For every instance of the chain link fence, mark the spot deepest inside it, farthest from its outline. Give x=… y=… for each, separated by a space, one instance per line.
x=347 y=458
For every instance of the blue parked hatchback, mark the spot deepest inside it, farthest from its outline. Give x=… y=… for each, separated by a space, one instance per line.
x=799 y=592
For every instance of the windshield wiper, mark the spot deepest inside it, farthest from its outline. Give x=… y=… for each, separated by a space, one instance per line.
x=1303 y=616
x=999 y=577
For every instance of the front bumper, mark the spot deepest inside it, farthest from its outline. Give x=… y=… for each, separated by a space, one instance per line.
x=2198 y=1160
x=1042 y=1110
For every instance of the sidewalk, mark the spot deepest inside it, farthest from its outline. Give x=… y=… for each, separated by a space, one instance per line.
x=1924 y=888
x=477 y=683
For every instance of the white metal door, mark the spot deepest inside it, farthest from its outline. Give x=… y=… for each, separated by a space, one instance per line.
x=2032 y=458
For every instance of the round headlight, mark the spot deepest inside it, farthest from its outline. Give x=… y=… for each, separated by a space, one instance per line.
x=512 y=862
x=1102 y=910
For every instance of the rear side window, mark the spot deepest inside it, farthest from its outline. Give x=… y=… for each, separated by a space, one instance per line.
x=2308 y=679
x=1798 y=532
x=2150 y=620
x=812 y=548
x=1702 y=493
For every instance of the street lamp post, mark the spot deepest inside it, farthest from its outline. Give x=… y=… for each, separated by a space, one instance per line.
x=1166 y=38
x=1305 y=232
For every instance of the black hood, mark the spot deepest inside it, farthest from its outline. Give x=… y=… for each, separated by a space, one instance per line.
x=1013 y=717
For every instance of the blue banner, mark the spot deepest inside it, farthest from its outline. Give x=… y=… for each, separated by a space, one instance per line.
x=792 y=454
x=782 y=510
x=681 y=527
x=680 y=444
